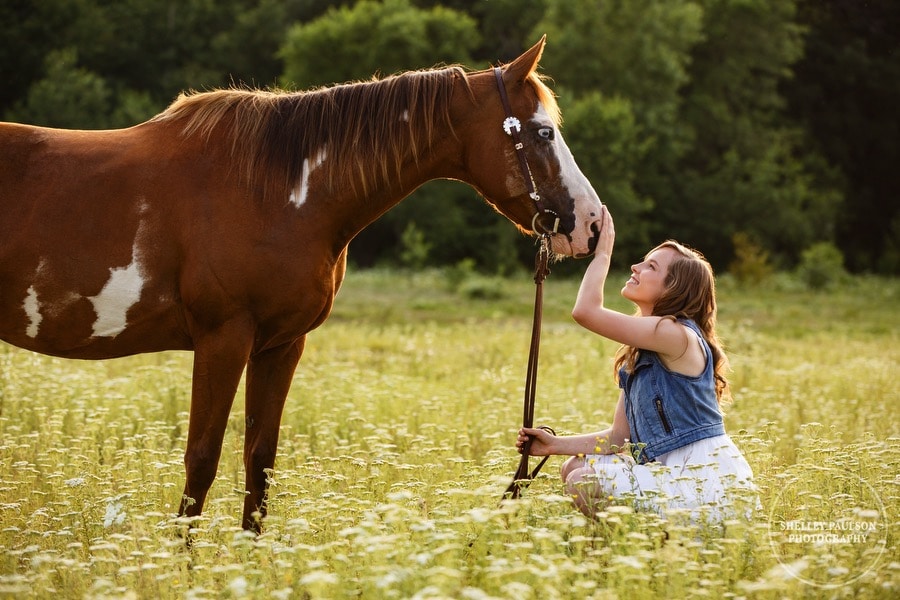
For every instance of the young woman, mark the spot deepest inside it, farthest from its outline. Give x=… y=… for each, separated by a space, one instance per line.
x=667 y=446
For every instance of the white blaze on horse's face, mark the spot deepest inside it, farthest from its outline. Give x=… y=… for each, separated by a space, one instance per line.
x=587 y=202
x=301 y=190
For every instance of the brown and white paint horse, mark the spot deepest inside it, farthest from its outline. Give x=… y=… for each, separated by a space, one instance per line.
x=221 y=226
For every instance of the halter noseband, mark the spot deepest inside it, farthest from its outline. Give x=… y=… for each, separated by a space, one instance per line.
x=512 y=126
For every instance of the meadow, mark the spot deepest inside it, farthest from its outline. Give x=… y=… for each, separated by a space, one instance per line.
x=397 y=443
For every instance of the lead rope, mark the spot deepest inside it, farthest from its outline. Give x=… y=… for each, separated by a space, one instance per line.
x=523 y=477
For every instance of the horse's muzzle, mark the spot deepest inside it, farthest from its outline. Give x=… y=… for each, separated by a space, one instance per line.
x=592 y=243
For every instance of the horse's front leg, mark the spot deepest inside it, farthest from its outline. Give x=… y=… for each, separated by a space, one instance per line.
x=219 y=361
x=269 y=376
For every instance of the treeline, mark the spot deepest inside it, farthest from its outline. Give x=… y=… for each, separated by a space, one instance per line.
x=759 y=131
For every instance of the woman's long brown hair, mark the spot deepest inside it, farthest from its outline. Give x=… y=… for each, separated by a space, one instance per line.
x=690 y=293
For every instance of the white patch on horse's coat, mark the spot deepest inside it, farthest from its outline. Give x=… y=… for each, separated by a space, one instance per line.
x=301 y=190
x=33 y=310
x=404 y=116
x=121 y=291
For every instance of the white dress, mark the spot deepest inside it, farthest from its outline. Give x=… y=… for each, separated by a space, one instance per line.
x=708 y=477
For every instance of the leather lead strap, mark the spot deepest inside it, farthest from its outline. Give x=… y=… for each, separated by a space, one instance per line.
x=523 y=477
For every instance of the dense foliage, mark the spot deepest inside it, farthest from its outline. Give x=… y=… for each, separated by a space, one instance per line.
x=728 y=124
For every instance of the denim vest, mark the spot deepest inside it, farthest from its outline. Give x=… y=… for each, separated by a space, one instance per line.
x=668 y=410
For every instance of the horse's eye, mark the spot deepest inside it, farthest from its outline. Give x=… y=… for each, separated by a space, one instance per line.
x=546 y=133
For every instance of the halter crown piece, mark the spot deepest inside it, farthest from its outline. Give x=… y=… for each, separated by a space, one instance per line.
x=512 y=126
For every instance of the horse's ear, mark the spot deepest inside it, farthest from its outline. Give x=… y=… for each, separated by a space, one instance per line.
x=521 y=68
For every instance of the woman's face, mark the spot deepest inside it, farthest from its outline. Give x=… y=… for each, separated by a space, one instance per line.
x=648 y=277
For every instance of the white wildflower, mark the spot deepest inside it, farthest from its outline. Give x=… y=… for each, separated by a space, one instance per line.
x=319 y=577
x=238 y=586
x=115 y=514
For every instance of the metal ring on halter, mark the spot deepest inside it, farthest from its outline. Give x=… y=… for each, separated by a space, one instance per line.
x=554 y=230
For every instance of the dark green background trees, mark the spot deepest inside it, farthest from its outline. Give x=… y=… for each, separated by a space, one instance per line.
x=728 y=124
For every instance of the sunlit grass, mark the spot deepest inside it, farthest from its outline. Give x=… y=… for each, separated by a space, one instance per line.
x=396 y=445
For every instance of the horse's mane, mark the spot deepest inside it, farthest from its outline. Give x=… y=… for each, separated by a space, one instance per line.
x=383 y=121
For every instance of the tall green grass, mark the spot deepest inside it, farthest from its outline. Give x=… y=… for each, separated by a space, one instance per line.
x=396 y=445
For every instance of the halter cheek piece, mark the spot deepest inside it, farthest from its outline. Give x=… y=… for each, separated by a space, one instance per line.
x=512 y=126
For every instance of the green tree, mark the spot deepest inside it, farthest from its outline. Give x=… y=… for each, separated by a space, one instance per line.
x=248 y=49
x=29 y=30
x=375 y=38
x=144 y=52
x=845 y=95
x=68 y=96
x=506 y=26
x=609 y=146
x=713 y=152
x=621 y=67
x=749 y=169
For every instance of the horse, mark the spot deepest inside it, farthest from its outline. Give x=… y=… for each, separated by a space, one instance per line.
x=221 y=225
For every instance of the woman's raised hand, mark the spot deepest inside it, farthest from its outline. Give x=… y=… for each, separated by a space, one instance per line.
x=607 y=233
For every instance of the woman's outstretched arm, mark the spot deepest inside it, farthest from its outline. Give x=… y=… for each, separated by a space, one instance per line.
x=608 y=441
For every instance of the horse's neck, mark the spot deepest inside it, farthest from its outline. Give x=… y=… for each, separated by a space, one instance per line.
x=439 y=161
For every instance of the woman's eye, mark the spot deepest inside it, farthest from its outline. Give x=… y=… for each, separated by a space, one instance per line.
x=546 y=133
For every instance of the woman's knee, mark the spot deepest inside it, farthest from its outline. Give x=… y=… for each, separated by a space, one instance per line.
x=573 y=463
x=583 y=487
x=578 y=478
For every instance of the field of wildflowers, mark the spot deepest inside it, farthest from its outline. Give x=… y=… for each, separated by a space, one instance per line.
x=397 y=443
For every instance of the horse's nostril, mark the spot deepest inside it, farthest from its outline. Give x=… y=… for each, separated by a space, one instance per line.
x=592 y=243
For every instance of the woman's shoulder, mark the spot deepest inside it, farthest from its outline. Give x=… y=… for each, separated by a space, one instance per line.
x=693 y=358
x=689 y=323
x=693 y=326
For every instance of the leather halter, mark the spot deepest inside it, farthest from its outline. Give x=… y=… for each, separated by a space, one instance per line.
x=512 y=126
